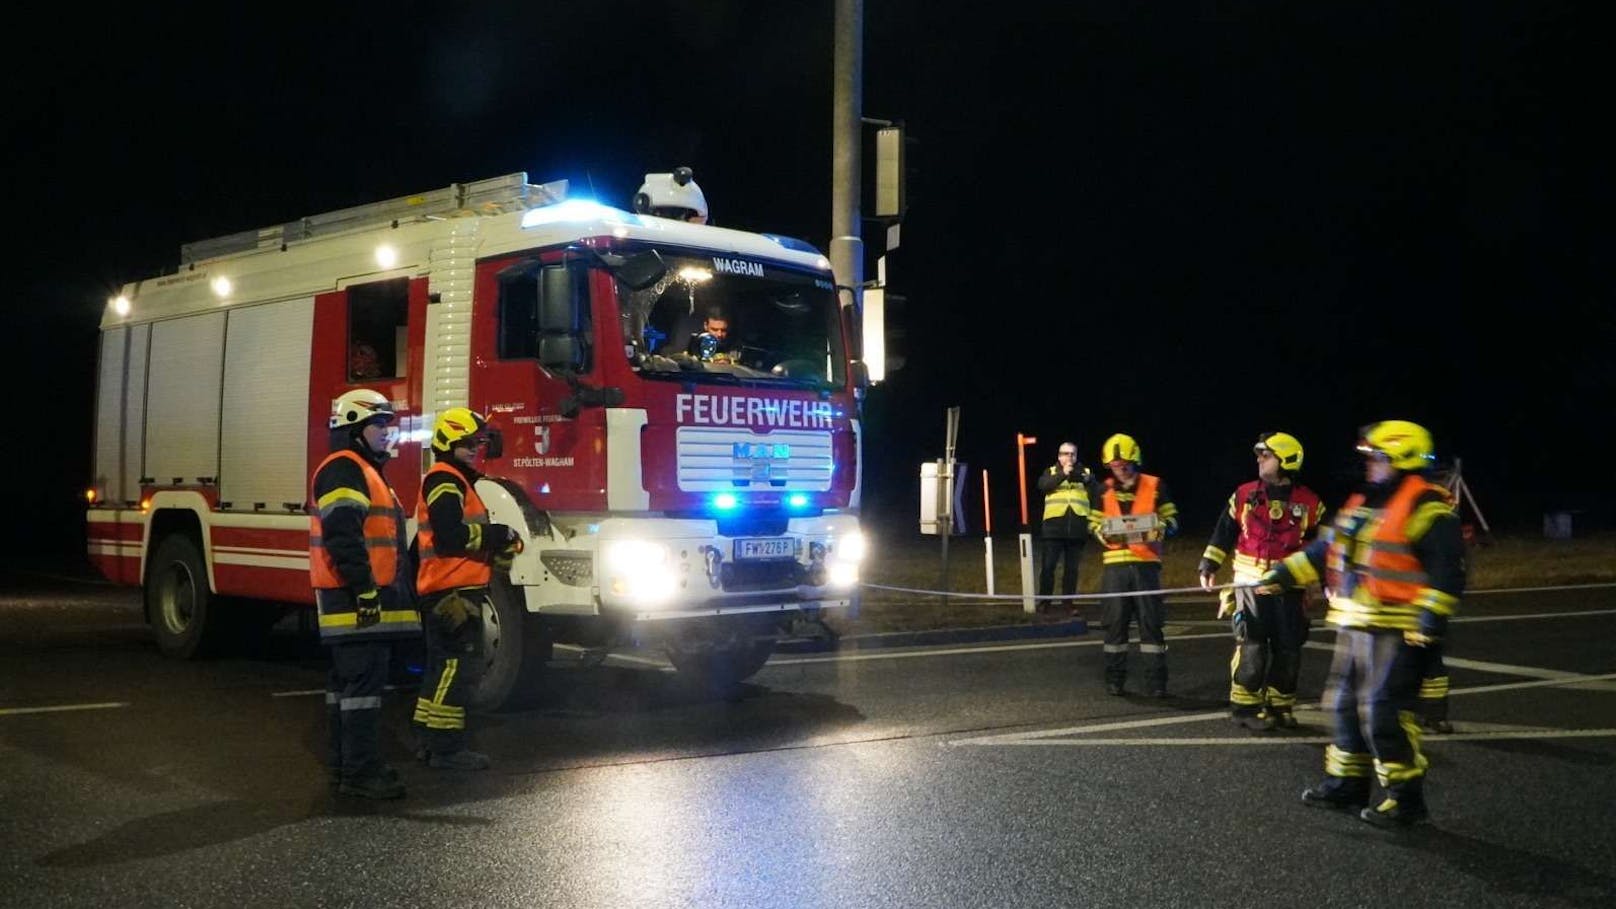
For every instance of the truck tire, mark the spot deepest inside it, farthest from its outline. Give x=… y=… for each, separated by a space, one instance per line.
x=516 y=646
x=179 y=606
x=720 y=665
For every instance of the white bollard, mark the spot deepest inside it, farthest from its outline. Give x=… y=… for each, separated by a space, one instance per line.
x=987 y=555
x=1028 y=604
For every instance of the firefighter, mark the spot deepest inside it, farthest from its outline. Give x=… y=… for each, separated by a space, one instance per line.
x=459 y=550
x=1133 y=566
x=361 y=573
x=1393 y=568
x=1267 y=519
x=1065 y=486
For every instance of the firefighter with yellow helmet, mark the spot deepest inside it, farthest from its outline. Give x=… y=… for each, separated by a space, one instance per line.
x=1132 y=563
x=459 y=551
x=1393 y=569
x=1266 y=520
x=360 y=570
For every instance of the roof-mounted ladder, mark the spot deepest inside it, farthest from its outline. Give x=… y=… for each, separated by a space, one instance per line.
x=494 y=196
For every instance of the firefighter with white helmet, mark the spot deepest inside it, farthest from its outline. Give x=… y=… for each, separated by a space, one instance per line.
x=361 y=570
x=1393 y=569
x=1266 y=520
x=459 y=550
x=1132 y=564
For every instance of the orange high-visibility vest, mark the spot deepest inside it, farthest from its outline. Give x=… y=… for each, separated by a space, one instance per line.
x=381 y=529
x=1144 y=502
x=1390 y=573
x=443 y=572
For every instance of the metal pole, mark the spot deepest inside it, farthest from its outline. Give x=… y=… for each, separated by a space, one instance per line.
x=847 y=110
x=987 y=531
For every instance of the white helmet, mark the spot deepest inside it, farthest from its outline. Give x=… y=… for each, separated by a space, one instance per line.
x=360 y=406
x=674 y=196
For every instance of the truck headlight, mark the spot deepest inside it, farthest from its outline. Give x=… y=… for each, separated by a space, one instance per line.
x=639 y=570
x=849 y=547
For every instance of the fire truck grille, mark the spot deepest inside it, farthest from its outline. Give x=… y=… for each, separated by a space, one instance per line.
x=574 y=568
x=716 y=458
x=743 y=576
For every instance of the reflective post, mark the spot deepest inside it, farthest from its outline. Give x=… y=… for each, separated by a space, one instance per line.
x=1024 y=539
x=987 y=531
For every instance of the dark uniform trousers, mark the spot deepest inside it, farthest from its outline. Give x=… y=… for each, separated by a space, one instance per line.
x=1120 y=612
x=353 y=704
x=1376 y=675
x=1269 y=632
x=453 y=668
x=1053 y=551
x=1433 y=685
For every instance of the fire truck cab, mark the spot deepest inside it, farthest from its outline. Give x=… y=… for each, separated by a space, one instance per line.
x=678 y=402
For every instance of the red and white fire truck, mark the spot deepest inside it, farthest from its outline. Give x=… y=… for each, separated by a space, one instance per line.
x=695 y=495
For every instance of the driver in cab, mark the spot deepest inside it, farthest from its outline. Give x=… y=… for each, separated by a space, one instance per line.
x=712 y=344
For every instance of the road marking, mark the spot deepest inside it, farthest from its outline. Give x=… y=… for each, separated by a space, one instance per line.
x=1531 y=672
x=954 y=651
x=308 y=692
x=1313 y=712
x=61 y=708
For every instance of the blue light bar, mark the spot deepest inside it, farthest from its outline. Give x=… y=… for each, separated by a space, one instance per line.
x=725 y=501
x=793 y=243
x=572 y=210
x=797 y=500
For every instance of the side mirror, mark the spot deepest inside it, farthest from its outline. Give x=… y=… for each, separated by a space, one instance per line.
x=560 y=303
x=561 y=353
x=861 y=374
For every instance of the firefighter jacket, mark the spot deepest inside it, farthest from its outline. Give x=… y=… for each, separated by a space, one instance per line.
x=1394 y=559
x=1066 y=503
x=451 y=523
x=1263 y=524
x=356 y=544
x=1148 y=494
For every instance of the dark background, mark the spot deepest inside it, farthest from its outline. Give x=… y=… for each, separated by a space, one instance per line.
x=1188 y=222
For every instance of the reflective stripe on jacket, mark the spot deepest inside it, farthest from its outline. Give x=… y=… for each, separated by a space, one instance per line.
x=383 y=526
x=1372 y=576
x=446 y=572
x=1070 y=495
x=383 y=519
x=1144 y=502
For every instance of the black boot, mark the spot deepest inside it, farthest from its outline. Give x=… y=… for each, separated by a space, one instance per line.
x=1251 y=718
x=1351 y=793
x=1283 y=717
x=1403 y=806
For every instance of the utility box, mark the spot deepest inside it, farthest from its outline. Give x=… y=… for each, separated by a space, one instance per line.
x=942 y=495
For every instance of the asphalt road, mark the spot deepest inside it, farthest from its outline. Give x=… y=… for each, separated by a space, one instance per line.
x=974 y=774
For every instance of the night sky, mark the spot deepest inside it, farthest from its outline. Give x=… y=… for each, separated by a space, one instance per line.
x=1189 y=222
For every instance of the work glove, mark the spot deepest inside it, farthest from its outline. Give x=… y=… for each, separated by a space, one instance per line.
x=368 y=608
x=497 y=537
x=453 y=610
x=504 y=544
x=1225 y=601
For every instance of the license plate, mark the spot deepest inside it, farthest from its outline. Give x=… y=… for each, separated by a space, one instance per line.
x=775 y=548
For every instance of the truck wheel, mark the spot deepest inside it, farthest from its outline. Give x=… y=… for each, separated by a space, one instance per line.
x=719 y=666
x=516 y=645
x=179 y=605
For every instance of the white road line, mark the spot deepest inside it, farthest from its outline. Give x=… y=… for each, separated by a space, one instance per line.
x=1531 y=672
x=1063 y=736
x=61 y=708
x=954 y=651
x=309 y=692
x=1248 y=741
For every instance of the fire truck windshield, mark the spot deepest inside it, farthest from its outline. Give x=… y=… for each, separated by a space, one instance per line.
x=735 y=320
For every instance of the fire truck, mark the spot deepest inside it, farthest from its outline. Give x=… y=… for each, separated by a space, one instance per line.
x=672 y=491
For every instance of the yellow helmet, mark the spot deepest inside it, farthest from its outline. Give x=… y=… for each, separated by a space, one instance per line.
x=1406 y=445
x=1119 y=448
x=457 y=425
x=356 y=408
x=1284 y=446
